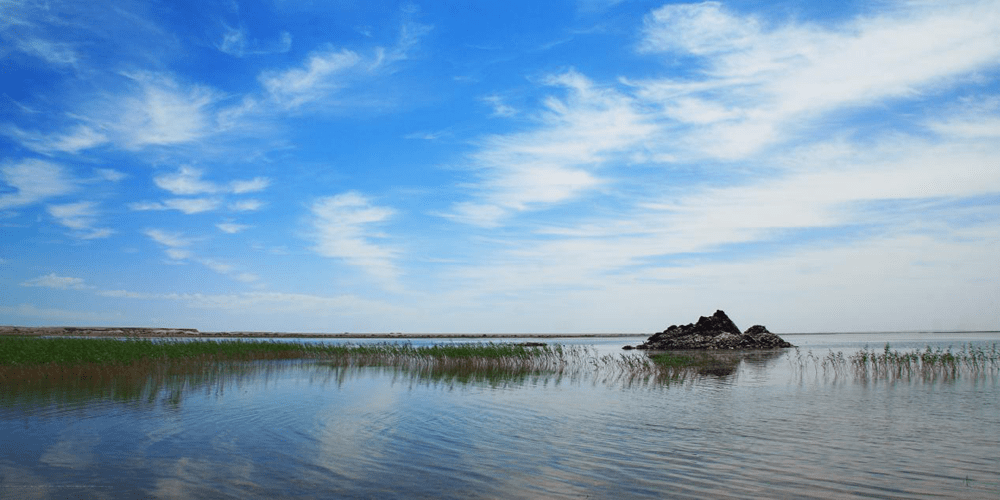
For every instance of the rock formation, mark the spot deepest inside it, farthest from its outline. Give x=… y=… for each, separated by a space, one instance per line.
x=713 y=332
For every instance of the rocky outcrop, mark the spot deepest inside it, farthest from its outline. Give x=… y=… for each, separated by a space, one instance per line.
x=713 y=332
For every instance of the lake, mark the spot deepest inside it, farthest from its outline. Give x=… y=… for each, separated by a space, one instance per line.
x=772 y=427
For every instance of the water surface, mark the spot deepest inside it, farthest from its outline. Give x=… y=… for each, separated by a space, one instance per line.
x=307 y=429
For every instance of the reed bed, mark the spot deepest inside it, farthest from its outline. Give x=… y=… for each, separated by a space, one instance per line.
x=888 y=364
x=17 y=351
x=134 y=367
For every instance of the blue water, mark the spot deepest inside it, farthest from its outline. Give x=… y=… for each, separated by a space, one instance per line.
x=305 y=429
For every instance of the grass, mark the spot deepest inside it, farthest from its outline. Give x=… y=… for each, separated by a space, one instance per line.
x=134 y=368
x=888 y=364
x=18 y=351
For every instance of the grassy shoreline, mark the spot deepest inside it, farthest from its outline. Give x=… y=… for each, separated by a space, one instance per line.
x=24 y=357
x=65 y=356
x=149 y=332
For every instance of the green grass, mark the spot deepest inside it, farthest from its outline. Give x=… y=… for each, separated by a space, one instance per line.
x=32 y=351
x=72 y=362
x=67 y=369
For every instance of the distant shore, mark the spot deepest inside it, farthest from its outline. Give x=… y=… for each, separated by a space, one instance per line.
x=145 y=332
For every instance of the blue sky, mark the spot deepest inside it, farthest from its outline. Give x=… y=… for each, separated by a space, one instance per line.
x=578 y=166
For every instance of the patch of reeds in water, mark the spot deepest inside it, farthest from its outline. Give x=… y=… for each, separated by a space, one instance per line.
x=888 y=364
x=137 y=369
x=37 y=369
x=505 y=363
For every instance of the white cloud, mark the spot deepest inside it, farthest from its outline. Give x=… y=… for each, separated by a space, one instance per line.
x=228 y=270
x=168 y=238
x=250 y=186
x=185 y=205
x=556 y=162
x=232 y=228
x=81 y=217
x=248 y=205
x=78 y=215
x=329 y=70
x=52 y=280
x=57 y=53
x=179 y=253
x=500 y=108
x=188 y=181
x=177 y=250
x=702 y=28
x=162 y=112
x=80 y=138
x=236 y=43
x=270 y=303
x=758 y=85
x=321 y=74
x=342 y=230
x=33 y=181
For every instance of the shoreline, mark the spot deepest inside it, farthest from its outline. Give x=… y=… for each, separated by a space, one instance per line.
x=146 y=332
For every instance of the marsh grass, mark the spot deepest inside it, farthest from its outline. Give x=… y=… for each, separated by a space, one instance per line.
x=135 y=368
x=888 y=364
x=17 y=351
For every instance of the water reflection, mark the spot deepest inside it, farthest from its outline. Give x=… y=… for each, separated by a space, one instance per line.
x=140 y=384
x=167 y=384
x=280 y=429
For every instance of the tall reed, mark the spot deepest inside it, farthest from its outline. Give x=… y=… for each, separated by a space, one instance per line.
x=888 y=364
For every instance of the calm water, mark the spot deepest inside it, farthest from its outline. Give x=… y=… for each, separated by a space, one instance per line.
x=304 y=429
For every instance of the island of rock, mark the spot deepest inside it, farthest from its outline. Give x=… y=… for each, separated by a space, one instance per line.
x=713 y=332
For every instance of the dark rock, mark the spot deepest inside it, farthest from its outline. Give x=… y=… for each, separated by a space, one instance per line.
x=713 y=332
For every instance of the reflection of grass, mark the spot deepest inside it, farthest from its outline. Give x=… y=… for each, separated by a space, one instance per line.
x=929 y=364
x=34 y=368
x=702 y=363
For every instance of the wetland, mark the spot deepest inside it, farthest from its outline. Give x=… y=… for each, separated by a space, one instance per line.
x=842 y=415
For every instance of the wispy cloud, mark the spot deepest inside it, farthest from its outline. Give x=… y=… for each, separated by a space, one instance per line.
x=757 y=84
x=558 y=161
x=231 y=227
x=249 y=186
x=52 y=280
x=175 y=242
x=228 y=270
x=271 y=302
x=177 y=249
x=500 y=108
x=323 y=72
x=184 y=205
x=342 y=229
x=80 y=217
x=328 y=70
x=79 y=138
x=162 y=111
x=32 y=181
x=236 y=42
x=247 y=205
x=188 y=181
x=56 y=53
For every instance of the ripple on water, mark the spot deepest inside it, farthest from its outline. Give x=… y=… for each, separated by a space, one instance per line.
x=303 y=429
